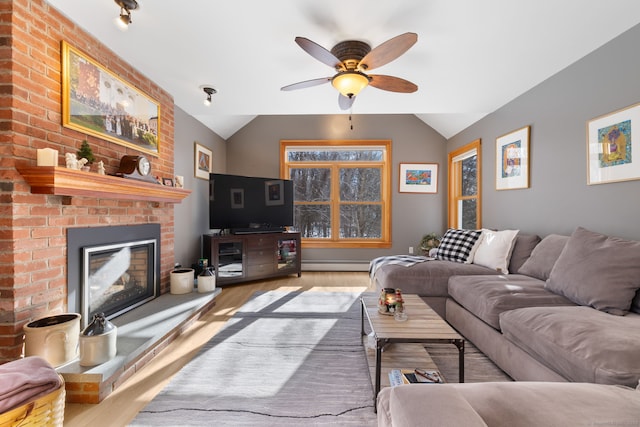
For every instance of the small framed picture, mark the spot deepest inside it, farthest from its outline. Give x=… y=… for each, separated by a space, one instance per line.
x=610 y=144
x=203 y=161
x=418 y=178
x=512 y=160
x=274 y=192
x=168 y=182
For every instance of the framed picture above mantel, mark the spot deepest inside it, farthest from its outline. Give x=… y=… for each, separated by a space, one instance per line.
x=96 y=101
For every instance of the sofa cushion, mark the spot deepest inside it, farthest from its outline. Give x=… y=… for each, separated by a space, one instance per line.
x=596 y=270
x=458 y=245
x=428 y=278
x=522 y=249
x=513 y=404
x=408 y=406
x=488 y=296
x=544 y=256
x=536 y=404
x=494 y=250
x=580 y=343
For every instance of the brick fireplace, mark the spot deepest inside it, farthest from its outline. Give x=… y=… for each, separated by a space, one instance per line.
x=33 y=227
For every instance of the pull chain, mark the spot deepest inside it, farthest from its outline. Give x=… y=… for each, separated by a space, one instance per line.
x=350 y=119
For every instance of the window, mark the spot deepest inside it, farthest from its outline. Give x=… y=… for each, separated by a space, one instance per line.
x=342 y=192
x=465 y=187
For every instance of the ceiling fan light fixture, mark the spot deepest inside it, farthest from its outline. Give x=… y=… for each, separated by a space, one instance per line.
x=350 y=83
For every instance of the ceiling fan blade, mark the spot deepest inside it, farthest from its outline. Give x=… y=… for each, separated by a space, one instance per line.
x=345 y=102
x=306 y=84
x=392 y=84
x=320 y=53
x=388 y=51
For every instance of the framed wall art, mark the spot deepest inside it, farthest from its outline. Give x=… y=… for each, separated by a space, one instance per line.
x=274 y=192
x=613 y=146
x=512 y=160
x=203 y=158
x=96 y=101
x=418 y=178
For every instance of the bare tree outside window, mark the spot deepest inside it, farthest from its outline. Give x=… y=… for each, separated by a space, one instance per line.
x=469 y=188
x=338 y=193
x=464 y=195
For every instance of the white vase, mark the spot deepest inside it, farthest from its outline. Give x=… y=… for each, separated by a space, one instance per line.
x=182 y=281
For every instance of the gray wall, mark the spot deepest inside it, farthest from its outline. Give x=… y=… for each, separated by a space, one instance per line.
x=254 y=151
x=557 y=110
x=192 y=215
x=557 y=201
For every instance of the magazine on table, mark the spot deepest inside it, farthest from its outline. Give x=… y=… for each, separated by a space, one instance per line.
x=414 y=376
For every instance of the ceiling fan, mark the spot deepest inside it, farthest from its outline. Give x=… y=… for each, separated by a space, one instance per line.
x=351 y=59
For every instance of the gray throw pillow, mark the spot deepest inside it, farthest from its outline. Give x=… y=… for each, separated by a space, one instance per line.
x=598 y=271
x=544 y=256
x=635 y=304
x=525 y=243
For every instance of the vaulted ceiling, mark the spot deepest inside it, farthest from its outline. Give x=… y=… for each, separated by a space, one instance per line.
x=471 y=57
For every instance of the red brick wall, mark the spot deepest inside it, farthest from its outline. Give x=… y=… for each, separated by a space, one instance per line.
x=33 y=277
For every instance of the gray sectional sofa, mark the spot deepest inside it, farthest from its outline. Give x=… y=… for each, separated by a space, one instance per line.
x=568 y=311
x=513 y=404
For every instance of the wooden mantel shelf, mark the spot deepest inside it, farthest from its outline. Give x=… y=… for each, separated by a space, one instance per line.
x=61 y=181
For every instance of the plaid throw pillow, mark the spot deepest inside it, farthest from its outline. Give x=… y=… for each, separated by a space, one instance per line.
x=456 y=244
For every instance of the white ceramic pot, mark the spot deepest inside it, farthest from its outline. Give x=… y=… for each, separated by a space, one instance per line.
x=206 y=284
x=54 y=338
x=98 y=349
x=182 y=281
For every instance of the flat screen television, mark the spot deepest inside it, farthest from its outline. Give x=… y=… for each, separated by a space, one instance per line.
x=243 y=204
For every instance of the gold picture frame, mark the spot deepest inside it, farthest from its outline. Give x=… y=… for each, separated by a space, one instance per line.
x=512 y=159
x=610 y=143
x=96 y=101
x=203 y=161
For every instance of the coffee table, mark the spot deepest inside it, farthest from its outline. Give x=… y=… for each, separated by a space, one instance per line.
x=422 y=326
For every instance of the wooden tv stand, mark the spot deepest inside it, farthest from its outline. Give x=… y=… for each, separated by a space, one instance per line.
x=239 y=258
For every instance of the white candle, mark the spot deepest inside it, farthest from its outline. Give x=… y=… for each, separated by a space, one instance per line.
x=47 y=157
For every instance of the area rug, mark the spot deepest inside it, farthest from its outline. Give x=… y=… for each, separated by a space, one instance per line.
x=284 y=359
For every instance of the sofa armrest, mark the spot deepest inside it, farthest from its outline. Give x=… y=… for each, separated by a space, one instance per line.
x=425 y=405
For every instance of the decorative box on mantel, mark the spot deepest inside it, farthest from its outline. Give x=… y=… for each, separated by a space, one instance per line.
x=62 y=181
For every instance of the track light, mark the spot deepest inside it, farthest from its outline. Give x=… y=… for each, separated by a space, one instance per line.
x=126 y=6
x=209 y=91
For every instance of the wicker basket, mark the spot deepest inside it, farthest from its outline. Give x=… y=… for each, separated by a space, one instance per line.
x=48 y=410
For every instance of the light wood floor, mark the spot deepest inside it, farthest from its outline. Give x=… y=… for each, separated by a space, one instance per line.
x=119 y=408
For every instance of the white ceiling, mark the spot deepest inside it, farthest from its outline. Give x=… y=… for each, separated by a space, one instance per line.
x=471 y=57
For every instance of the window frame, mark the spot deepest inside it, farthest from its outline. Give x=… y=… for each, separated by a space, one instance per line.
x=385 y=191
x=455 y=183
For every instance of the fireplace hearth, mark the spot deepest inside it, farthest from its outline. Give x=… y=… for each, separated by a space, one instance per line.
x=112 y=269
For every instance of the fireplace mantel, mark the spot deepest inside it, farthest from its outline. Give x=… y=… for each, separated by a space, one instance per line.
x=62 y=181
